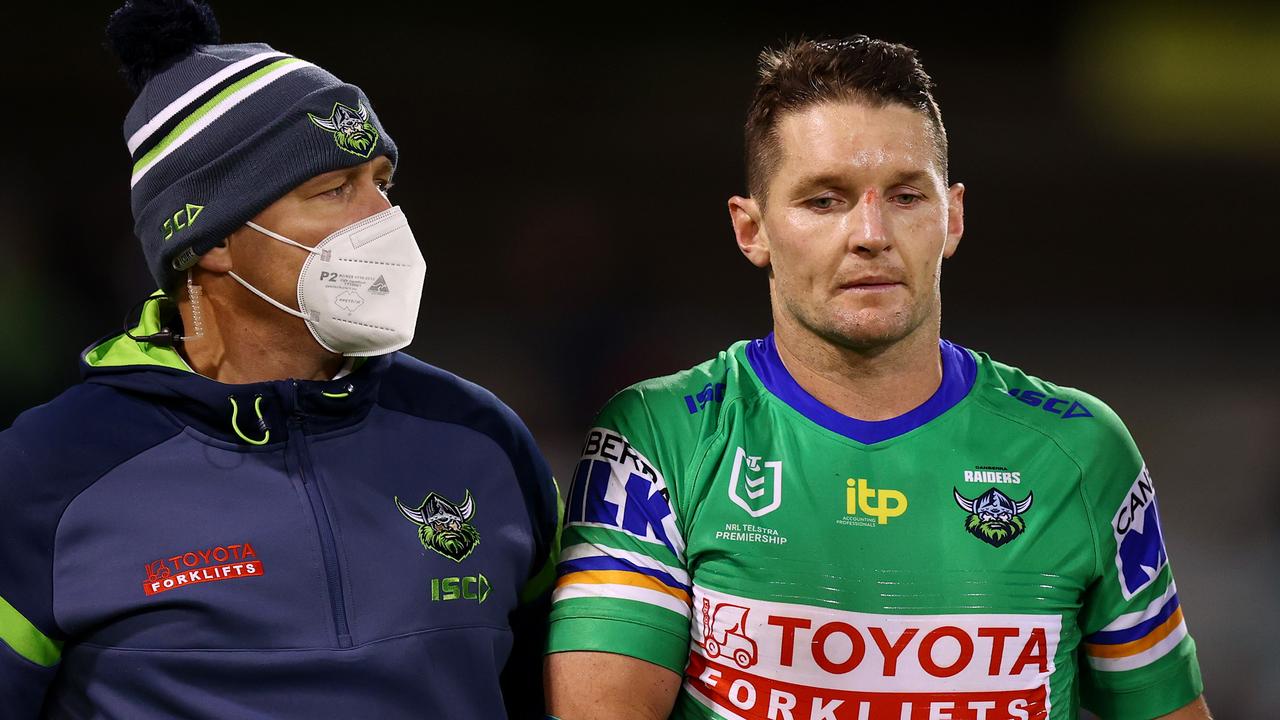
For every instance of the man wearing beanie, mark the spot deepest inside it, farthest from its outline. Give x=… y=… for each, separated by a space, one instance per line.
x=253 y=506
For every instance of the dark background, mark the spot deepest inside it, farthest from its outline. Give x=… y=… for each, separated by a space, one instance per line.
x=566 y=173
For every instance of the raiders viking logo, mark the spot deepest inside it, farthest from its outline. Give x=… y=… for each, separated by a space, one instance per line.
x=443 y=526
x=994 y=517
x=351 y=129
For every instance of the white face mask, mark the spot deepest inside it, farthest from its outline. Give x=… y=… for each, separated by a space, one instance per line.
x=360 y=288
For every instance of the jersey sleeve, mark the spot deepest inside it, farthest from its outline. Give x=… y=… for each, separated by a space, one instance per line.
x=622 y=584
x=521 y=677
x=30 y=644
x=1138 y=660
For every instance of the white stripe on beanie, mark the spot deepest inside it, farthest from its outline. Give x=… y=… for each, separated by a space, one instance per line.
x=190 y=96
x=216 y=112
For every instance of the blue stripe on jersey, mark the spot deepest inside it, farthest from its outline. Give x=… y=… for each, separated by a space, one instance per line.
x=959 y=371
x=611 y=563
x=1141 y=630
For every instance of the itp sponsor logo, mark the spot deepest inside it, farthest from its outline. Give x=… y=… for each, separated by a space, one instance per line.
x=866 y=505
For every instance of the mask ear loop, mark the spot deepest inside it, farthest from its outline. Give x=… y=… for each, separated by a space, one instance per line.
x=280 y=237
x=279 y=305
x=265 y=296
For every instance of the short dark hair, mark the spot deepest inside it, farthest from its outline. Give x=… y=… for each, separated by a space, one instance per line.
x=805 y=73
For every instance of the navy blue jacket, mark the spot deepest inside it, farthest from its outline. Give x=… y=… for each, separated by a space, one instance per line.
x=160 y=560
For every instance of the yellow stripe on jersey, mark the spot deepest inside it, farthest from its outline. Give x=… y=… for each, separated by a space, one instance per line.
x=1159 y=633
x=622 y=577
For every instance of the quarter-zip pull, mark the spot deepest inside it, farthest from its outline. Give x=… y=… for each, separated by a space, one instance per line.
x=292 y=405
x=300 y=451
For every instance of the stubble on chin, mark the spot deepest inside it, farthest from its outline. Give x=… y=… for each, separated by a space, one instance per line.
x=861 y=329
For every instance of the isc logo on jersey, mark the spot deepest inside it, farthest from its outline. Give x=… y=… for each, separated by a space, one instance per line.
x=763 y=660
x=1140 y=553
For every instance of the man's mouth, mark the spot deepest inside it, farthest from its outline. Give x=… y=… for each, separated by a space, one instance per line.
x=871 y=283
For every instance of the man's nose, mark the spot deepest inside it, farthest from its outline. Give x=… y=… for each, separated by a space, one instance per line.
x=867 y=234
x=370 y=198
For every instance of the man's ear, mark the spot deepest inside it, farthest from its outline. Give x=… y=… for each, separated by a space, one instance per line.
x=217 y=259
x=955 y=219
x=748 y=229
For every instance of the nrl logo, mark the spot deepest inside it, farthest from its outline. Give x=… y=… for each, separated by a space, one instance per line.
x=444 y=526
x=351 y=129
x=994 y=517
x=754 y=486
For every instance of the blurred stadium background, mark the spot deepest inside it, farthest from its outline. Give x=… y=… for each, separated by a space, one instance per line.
x=566 y=174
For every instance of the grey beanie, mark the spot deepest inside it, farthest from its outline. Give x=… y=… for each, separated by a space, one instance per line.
x=227 y=130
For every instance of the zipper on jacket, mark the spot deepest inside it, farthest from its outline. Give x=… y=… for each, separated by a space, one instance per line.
x=301 y=451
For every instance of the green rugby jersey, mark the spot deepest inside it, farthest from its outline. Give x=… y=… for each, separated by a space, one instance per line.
x=994 y=554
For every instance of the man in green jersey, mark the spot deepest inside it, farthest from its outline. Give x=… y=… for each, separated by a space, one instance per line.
x=852 y=519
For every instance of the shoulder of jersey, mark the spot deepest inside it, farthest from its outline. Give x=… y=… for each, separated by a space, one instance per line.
x=687 y=403
x=54 y=451
x=416 y=388
x=1081 y=423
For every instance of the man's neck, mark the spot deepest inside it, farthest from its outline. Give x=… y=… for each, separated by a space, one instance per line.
x=244 y=344
x=875 y=384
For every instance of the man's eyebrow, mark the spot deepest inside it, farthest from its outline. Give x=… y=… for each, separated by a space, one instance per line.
x=326 y=178
x=341 y=173
x=912 y=177
x=810 y=183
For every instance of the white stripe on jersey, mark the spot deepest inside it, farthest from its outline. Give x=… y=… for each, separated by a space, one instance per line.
x=1133 y=619
x=626 y=592
x=715 y=709
x=587 y=550
x=1144 y=658
x=679 y=546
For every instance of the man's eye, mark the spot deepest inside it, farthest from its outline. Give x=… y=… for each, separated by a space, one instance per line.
x=823 y=203
x=384 y=186
x=337 y=191
x=906 y=199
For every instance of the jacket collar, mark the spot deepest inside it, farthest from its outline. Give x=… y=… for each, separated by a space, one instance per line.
x=264 y=413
